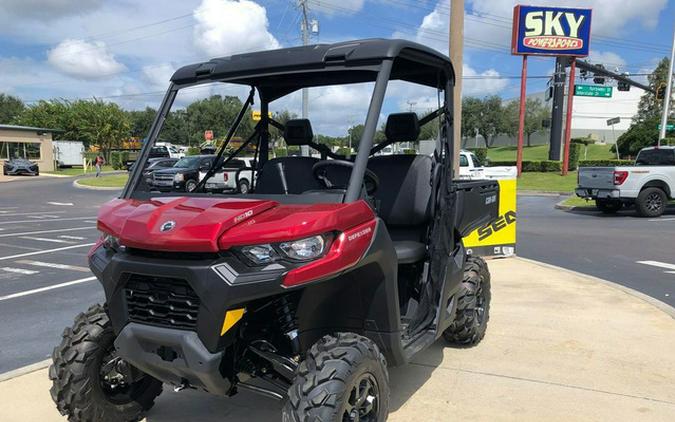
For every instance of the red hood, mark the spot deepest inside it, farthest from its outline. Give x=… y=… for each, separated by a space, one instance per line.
x=201 y=222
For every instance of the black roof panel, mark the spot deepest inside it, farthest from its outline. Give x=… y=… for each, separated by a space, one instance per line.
x=361 y=57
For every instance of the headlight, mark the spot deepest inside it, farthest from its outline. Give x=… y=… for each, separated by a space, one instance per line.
x=179 y=177
x=260 y=254
x=111 y=242
x=304 y=249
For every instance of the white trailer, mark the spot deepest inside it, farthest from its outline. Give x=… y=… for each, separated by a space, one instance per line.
x=68 y=153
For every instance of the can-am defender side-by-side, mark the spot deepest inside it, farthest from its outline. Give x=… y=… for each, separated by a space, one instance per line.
x=308 y=287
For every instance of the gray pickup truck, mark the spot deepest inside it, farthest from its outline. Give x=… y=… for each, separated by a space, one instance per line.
x=648 y=185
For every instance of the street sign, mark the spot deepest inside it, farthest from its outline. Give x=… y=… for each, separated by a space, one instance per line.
x=613 y=121
x=208 y=135
x=593 y=91
x=669 y=126
x=551 y=31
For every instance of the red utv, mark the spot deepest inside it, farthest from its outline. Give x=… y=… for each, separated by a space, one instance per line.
x=307 y=288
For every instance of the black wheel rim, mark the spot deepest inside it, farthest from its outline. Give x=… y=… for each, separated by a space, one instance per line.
x=480 y=304
x=118 y=379
x=363 y=401
x=654 y=202
x=243 y=188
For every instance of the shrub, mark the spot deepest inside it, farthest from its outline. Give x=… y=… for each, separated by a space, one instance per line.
x=532 y=166
x=605 y=163
x=481 y=154
x=410 y=151
x=116 y=159
x=193 y=151
x=582 y=141
x=575 y=155
x=280 y=152
x=344 y=151
x=90 y=156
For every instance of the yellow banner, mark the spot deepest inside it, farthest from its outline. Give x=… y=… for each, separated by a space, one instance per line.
x=499 y=237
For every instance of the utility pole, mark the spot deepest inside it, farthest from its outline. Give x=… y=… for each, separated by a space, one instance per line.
x=557 y=112
x=666 y=97
x=456 y=56
x=304 y=149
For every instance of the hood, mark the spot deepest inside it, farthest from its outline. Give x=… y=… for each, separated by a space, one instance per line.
x=173 y=170
x=176 y=223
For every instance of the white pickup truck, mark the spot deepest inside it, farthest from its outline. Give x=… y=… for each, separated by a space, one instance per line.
x=470 y=168
x=648 y=185
x=226 y=179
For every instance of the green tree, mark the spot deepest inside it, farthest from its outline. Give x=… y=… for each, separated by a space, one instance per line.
x=491 y=121
x=140 y=121
x=535 y=113
x=55 y=114
x=216 y=113
x=10 y=108
x=102 y=124
x=471 y=110
x=644 y=131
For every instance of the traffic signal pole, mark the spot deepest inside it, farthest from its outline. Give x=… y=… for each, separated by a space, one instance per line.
x=521 y=121
x=568 y=118
x=557 y=111
x=666 y=99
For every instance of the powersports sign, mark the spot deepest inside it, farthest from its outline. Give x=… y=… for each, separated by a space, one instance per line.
x=551 y=31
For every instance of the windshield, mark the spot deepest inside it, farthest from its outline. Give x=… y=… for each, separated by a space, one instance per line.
x=224 y=122
x=187 y=162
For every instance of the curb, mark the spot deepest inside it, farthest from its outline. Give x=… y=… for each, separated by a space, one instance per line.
x=15 y=373
x=662 y=306
x=541 y=193
x=80 y=186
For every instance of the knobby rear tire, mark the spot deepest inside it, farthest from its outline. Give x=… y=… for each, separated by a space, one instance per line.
x=470 y=325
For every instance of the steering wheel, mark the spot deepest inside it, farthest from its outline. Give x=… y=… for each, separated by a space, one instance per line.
x=319 y=171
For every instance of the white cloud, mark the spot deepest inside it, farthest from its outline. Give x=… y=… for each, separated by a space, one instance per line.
x=86 y=60
x=607 y=58
x=226 y=27
x=486 y=84
x=158 y=76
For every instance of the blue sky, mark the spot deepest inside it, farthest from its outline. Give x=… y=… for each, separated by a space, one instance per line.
x=125 y=51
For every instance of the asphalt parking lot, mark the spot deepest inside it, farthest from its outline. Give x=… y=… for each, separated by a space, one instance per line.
x=46 y=229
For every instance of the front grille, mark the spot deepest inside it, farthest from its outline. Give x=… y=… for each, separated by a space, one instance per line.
x=164 y=177
x=167 y=302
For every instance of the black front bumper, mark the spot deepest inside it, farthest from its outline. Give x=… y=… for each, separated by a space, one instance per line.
x=171 y=347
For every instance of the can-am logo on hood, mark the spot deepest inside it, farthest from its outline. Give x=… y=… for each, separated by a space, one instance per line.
x=168 y=225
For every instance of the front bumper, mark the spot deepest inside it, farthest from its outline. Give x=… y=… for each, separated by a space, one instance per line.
x=598 y=193
x=174 y=356
x=170 y=346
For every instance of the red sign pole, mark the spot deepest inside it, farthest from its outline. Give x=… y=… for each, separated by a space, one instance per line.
x=568 y=118
x=521 y=124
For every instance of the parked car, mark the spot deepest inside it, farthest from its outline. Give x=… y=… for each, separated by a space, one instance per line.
x=173 y=150
x=154 y=164
x=155 y=152
x=471 y=168
x=648 y=185
x=184 y=176
x=18 y=166
x=236 y=176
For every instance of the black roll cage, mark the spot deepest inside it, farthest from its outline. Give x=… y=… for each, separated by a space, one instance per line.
x=271 y=85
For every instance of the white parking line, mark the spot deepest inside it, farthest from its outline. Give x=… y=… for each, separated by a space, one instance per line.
x=51 y=231
x=33 y=213
x=45 y=239
x=43 y=217
x=53 y=265
x=65 y=204
x=18 y=270
x=21 y=255
x=90 y=221
x=73 y=237
x=658 y=264
x=47 y=221
x=44 y=289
